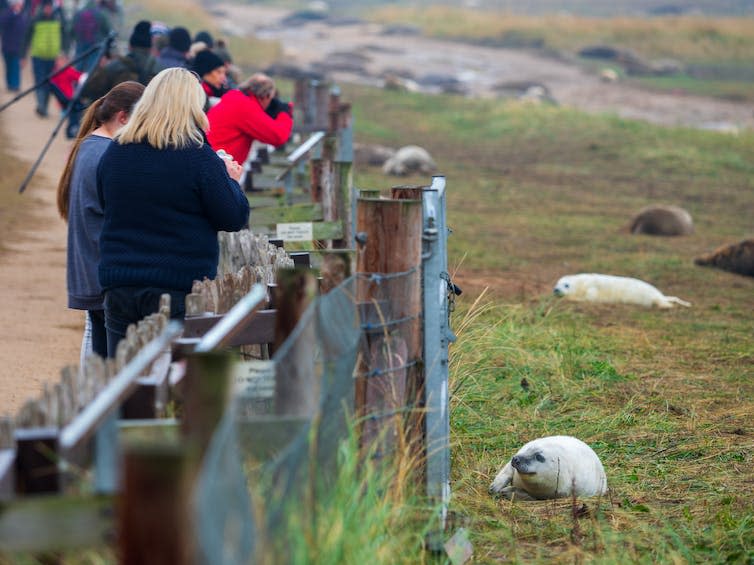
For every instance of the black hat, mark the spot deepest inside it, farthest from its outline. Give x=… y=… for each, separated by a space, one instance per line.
x=205 y=37
x=141 y=35
x=179 y=39
x=206 y=61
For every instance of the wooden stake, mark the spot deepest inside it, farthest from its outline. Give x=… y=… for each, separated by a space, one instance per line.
x=393 y=230
x=154 y=509
x=207 y=389
x=296 y=387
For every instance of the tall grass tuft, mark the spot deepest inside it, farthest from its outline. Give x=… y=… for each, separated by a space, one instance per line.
x=371 y=511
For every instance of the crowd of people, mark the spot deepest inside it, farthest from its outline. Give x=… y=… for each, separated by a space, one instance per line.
x=145 y=189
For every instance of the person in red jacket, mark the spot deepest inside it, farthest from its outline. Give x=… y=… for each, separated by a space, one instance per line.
x=252 y=112
x=64 y=83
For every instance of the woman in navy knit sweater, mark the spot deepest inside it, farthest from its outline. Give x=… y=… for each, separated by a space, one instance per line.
x=165 y=195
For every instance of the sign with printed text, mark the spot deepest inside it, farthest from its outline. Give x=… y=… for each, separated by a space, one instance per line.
x=299 y=231
x=255 y=379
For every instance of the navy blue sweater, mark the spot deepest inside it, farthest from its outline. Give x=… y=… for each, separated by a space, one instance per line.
x=163 y=209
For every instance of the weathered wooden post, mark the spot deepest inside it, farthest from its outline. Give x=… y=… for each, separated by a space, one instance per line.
x=389 y=290
x=336 y=267
x=207 y=390
x=36 y=469
x=154 y=507
x=342 y=171
x=296 y=386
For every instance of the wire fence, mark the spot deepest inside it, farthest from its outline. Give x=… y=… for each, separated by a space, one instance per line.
x=291 y=457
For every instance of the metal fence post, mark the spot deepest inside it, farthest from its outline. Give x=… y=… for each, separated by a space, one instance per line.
x=437 y=336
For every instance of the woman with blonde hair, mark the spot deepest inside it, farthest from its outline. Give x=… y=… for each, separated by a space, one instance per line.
x=165 y=194
x=78 y=204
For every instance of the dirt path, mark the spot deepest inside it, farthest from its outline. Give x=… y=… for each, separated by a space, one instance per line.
x=478 y=69
x=40 y=334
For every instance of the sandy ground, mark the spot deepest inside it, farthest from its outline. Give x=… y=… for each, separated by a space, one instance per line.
x=40 y=334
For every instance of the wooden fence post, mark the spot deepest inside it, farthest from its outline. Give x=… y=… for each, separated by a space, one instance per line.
x=343 y=174
x=296 y=388
x=207 y=387
x=390 y=377
x=154 y=508
x=36 y=468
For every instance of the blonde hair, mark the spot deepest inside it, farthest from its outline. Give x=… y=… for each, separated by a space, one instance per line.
x=122 y=97
x=170 y=113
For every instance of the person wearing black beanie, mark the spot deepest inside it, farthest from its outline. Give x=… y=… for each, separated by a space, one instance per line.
x=141 y=35
x=174 y=55
x=137 y=64
x=211 y=69
x=206 y=38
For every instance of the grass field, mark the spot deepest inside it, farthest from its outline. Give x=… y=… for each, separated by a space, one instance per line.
x=664 y=397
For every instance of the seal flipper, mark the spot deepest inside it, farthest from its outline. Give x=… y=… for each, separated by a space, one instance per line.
x=515 y=493
x=503 y=479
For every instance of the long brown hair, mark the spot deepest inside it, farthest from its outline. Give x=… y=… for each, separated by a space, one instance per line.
x=122 y=97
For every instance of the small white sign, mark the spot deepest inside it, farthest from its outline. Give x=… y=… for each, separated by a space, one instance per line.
x=255 y=379
x=300 y=231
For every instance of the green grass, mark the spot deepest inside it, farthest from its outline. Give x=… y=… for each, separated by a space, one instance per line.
x=370 y=514
x=664 y=397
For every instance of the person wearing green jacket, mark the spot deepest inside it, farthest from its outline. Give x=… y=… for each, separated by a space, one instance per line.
x=45 y=42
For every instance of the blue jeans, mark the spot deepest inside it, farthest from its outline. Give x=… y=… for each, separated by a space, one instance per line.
x=99 y=334
x=12 y=71
x=128 y=305
x=42 y=69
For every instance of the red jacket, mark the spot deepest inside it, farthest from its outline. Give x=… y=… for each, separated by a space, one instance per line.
x=66 y=81
x=237 y=120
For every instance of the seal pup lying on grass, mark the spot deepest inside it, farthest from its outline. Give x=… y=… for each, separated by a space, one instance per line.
x=551 y=467
x=594 y=287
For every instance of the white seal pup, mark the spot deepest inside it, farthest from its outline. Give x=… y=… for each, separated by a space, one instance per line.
x=408 y=160
x=595 y=287
x=551 y=467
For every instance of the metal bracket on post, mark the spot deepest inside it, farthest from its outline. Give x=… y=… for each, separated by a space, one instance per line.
x=437 y=335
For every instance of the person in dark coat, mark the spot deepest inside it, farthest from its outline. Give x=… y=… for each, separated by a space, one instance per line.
x=90 y=27
x=14 y=24
x=205 y=37
x=137 y=64
x=174 y=55
x=165 y=195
